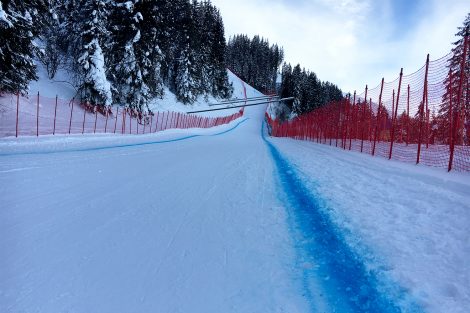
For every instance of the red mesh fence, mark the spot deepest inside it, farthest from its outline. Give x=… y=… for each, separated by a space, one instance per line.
x=423 y=117
x=38 y=115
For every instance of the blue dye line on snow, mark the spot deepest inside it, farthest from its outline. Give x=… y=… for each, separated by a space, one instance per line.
x=340 y=272
x=123 y=145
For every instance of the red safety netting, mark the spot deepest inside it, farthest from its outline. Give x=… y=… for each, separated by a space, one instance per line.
x=423 y=117
x=38 y=115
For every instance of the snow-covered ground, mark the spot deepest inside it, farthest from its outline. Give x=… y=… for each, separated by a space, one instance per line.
x=226 y=220
x=409 y=223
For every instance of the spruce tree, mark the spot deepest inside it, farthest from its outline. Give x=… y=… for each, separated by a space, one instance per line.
x=129 y=57
x=93 y=85
x=186 y=85
x=461 y=113
x=17 y=31
x=151 y=33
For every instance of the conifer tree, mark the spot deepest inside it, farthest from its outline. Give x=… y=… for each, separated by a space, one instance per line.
x=93 y=86
x=186 y=85
x=17 y=31
x=461 y=111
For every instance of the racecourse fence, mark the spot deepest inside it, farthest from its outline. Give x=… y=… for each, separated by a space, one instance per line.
x=38 y=115
x=423 y=117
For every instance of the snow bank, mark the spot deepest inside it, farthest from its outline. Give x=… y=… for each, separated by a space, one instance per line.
x=411 y=223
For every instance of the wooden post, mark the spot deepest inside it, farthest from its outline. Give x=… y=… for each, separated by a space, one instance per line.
x=115 y=120
x=106 y=123
x=144 y=122
x=421 y=113
x=370 y=120
x=96 y=118
x=378 y=117
x=123 y=126
x=451 y=128
x=408 y=116
x=71 y=112
x=394 y=115
x=339 y=124
x=17 y=111
x=37 y=117
x=166 y=120
x=156 y=121
x=345 y=129
x=84 y=114
x=352 y=118
x=55 y=114
x=363 y=119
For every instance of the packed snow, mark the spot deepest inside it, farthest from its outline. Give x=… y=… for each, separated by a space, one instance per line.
x=411 y=223
x=226 y=219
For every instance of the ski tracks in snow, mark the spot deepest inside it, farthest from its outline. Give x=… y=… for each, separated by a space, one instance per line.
x=335 y=278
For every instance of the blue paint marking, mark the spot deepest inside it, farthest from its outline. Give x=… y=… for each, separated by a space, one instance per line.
x=123 y=145
x=348 y=285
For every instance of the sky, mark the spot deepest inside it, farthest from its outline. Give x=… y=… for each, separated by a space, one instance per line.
x=351 y=42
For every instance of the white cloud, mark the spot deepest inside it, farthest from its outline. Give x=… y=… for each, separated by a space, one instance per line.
x=348 y=42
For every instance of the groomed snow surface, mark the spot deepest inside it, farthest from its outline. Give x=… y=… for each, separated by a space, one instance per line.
x=226 y=220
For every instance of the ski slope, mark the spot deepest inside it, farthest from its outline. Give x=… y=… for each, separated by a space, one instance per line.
x=190 y=225
x=226 y=220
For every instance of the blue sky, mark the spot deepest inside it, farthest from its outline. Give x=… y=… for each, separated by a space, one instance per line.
x=351 y=42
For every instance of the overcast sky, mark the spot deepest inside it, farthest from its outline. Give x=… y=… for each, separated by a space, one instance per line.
x=351 y=42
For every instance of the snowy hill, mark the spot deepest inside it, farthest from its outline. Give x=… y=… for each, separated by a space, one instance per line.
x=64 y=117
x=62 y=86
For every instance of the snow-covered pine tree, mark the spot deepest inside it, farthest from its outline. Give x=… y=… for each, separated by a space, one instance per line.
x=167 y=34
x=461 y=112
x=71 y=24
x=186 y=87
x=128 y=57
x=287 y=83
x=51 y=52
x=149 y=45
x=90 y=65
x=297 y=83
x=255 y=61
x=220 y=84
x=17 y=31
x=201 y=41
x=186 y=84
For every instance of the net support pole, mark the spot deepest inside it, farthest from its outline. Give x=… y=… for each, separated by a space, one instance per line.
x=55 y=114
x=352 y=120
x=421 y=110
x=394 y=115
x=363 y=118
x=84 y=115
x=378 y=117
x=156 y=121
x=96 y=118
x=71 y=113
x=37 y=116
x=106 y=123
x=408 y=115
x=115 y=120
x=17 y=111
